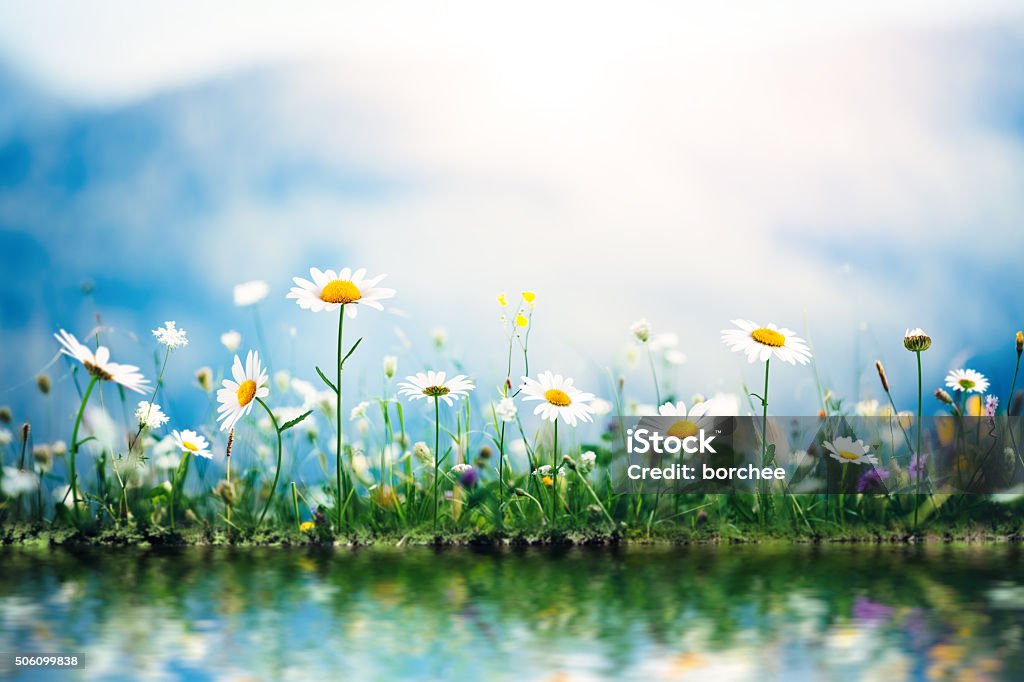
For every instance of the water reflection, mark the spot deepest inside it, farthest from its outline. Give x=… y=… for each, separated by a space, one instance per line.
x=704 y=613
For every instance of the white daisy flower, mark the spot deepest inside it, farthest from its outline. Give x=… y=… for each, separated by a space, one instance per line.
x=170 y=336
x=866 y=408
x=330 y=289
x=150 y=415
x=99 y=364
x=231 y=340
x=433 y=385
x=967 y=380
x=688 y=422
x=250 y=293
x=763 y=343
x=850 y=451
x=359 y=411
x=191 y=443
x=505 y=409
x=237 y=396
x=558 y=398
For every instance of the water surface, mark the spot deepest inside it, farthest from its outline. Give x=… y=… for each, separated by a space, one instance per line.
x=692 y=613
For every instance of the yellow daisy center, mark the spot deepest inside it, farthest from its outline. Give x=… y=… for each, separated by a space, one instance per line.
x=557 y=397
x=436 y=391
x=98 y=372
x=966 y=384
x=192 y=447
x=768 y=337
x=340 y=291
x=684 y=428
x=547 y=481
x=246 y=392
x=847 y=454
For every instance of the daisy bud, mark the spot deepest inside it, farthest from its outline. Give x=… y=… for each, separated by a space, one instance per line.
x=43 y=384
x=916 y=340
x=5 y=415
x=1020 y=343
x=508 y=384
x=641 y=330
x=881 y=375
x=485 y=452
x=568 y=461
x=226 y=492
x=521 y=493
x=26 y=429
x=390 y=366
x=943 y=397
x=204 y=377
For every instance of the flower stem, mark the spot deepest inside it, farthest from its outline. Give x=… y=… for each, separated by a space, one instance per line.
x=920 y=409
x=554 y=474
x=277 y=472
x=437 y=454
x=654 y=374
x=337 y=386
x=764 y=438
x=74 y=449
x=295 y=506
x=174 y=485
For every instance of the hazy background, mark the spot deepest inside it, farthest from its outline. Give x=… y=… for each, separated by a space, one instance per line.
x=844 y=170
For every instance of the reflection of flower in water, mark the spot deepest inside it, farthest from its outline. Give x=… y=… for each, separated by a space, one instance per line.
x=867 y=609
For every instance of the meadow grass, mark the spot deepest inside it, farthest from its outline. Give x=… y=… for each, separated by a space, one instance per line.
x=466 y=475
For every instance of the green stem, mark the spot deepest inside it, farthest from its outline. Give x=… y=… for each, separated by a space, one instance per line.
x=1013 y=385
x=337 y=386
x=74 y=449
x=174 y=485
x=654 y=374
x=295 y=506
x=277 y=472
x=920 y=410
x=437 y=453
x=764 y=438
x=554 y=474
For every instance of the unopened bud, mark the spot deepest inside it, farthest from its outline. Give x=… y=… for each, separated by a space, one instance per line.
x=943 y=397
x=5 y=415
x=226 y=492
x=1020 y=343
x=881 y=375
x=204 y=377
x=26 y=429
x=43 y=384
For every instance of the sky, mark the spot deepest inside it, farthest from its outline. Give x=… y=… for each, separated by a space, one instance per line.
x=844 y=170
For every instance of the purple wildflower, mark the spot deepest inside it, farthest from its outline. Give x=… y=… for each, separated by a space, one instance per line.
x=872 y=481
x=469 y=477
x=914 y=467
x=991 y=403
x=865 y=608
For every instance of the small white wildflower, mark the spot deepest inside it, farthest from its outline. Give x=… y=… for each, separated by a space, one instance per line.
x=439 y=336
x=460 y=469
x=505 y=409
x=359 y=411
x=150 y=415
x=675 y=357
x=664 y=341
x=866 y=408
x=59 y=448
x=588 y=460
x=171 y=336
x=231 y=340
x=641 y=330
x=248 y=293
x=421 y=451
x=18 y=481
x=5 y=437
x=390 y=366
x=601 y=407
x=281 y=379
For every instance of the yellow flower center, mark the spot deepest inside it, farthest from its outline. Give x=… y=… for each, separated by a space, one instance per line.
x=846 y=454
x=547 y=481
x=768 y=337
x=966 y=384
x=98 y=372
x=246 y=392
x=189 y=446
x=557 y=397
x=684 y=428
x=436 y=391
x=340 y=291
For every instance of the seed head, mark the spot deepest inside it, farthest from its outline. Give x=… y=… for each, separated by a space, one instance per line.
x=943 y=397
x=1020 y=343
x=881 y=375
